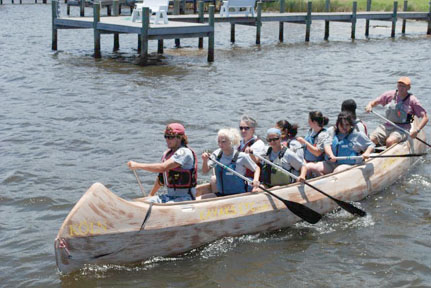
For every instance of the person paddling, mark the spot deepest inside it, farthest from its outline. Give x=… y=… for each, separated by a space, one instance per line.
x=177 y=170
x=288 y=134
x=227 y=183
x=401 y=107
x=313 y=143
x=283 y=157
x=346 y=142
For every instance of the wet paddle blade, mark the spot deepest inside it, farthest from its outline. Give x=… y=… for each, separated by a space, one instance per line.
x=303 y=212
x=350 y=208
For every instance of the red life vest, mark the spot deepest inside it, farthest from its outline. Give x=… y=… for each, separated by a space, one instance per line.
x=248 y=172
x=179 y=177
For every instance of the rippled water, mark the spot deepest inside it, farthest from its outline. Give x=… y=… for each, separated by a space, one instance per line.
x=68 y=121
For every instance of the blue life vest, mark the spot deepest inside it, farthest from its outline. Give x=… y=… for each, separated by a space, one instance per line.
x=308 y=156
x=227 y=182
x=344 y=147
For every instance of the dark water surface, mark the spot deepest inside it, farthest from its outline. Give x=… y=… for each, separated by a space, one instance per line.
x=67 y=121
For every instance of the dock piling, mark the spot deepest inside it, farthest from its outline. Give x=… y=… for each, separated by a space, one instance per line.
x=82 y=8
x=144 y=36
x=327 y=9
x=211 y=34
x=403 y=29
x=96 y=20
x=258 y=22
x=281 y=23
x=394 y=19
x=232 y=33
x=177 y=12
x=201 y=20
x=367 y=22
x=308 y=21
x=354 y=9
x=116 y=11
x=54 y=5
x=429 y=19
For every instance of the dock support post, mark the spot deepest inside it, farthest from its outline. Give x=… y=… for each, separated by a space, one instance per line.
x=429 y=19
x=116 y=11
x=308 y=21
x=258 y=22
x=96 y=20
x=403 y=29
x=211 y=35
x=160 y=46
x=367 y=22
x=327 y=9
x=82 y=8
x=281 y=24
x=354 y=8
x=201 y=20
x=144 y=36
x=177 y=12
x=68 y=9
x=394 y=19
x=232 y=33
x=54 y=6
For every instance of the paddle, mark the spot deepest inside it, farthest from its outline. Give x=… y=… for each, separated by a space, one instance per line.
x=402 y=129
x=139 y=182
x=380 y=156
x=346 y=206
x=298 y=209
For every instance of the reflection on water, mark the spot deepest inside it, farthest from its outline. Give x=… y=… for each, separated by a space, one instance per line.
x=68 y=121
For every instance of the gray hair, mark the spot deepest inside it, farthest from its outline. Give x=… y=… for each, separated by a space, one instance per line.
x=250 y=121
x=232 y=134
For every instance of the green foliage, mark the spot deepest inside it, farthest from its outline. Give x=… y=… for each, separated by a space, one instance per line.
x=346 y=5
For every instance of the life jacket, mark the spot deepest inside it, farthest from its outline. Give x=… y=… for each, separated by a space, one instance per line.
x=344 y=147
x=248 y=173
x=179 y=177
x=308 y=156
x=227 y=182
x=396 y=113
x=271 y=176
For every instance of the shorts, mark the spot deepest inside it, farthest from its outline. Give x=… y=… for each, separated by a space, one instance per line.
x=165 y=198
x=382 y=132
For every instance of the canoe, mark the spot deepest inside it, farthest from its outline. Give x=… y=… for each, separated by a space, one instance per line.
x=103 y=228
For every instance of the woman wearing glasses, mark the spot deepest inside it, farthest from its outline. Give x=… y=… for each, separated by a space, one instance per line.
x=281 y=156
x=177 y=171
x=227 y=182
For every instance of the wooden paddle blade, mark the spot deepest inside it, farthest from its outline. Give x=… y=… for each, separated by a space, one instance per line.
x=303 y=212
x=350 y=208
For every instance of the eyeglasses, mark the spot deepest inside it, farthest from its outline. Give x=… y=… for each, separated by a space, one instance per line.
x=272 y=139
x=244 y=128
x=170 y=137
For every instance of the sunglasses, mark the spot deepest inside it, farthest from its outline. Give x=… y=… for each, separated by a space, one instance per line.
x=170 y=137
x=272 y=139
x=244 y=128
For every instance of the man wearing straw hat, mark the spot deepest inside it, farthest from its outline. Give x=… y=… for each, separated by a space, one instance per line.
x=401 y=107
x=178 y=169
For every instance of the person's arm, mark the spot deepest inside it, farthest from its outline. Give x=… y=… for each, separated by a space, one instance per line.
x=422 y=124
x=256 y=176
x=314 y=150
x=367 y=152
x=370 y=105
x=303 y=174
x=205 y=167
x=329 y=153
x=154 y=167
x=156 y=187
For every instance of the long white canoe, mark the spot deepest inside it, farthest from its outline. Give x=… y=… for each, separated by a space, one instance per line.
x=103 y=228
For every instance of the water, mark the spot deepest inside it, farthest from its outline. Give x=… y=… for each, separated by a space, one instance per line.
x=68 y=121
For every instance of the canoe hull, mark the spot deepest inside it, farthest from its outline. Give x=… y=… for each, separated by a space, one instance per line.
x=103 y=228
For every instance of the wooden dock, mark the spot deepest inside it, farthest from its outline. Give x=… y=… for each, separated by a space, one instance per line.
x=194 y=25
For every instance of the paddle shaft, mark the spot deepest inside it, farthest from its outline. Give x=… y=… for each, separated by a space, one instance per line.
x=346 y=206
x=298 y=209
x=139 y=182
x=380 y=156
x=400 y=128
